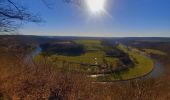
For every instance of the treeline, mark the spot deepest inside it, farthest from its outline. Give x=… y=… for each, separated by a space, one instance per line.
x=17 y=44
x=113 y=51
x=66 y=48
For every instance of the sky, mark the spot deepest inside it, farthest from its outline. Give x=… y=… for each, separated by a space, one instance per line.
x=122 y=18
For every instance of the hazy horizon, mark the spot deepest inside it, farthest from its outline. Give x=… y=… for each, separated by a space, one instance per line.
x=87 y=36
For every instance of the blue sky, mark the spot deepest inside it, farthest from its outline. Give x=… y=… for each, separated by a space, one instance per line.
x=125 y=18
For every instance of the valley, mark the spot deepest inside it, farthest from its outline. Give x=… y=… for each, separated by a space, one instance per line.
x=98 y=58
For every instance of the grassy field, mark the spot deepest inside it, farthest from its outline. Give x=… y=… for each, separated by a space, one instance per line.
x=154 y=51
x=90 y=45
x=95 y=56
x=142 y=66
x=88 y=57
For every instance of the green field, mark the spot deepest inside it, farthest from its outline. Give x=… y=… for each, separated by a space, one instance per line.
x=91 y=45
x=155 y=52
x=95 y=56
x=142 y=66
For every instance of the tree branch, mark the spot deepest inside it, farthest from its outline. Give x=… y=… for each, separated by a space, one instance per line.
x=14 y=5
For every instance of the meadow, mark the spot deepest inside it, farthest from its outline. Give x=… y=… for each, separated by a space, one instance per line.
x=102 y=67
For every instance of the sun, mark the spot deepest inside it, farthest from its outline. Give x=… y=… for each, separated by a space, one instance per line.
x=95 y=6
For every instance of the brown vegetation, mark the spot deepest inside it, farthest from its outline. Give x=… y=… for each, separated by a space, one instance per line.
x=41 y=81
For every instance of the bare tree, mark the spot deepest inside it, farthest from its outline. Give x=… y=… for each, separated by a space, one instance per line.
x=11 y=13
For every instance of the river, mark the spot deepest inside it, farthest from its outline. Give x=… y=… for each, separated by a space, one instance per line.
x=33 y=54
x=156 y=72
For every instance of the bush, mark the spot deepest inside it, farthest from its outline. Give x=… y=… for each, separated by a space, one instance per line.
x=41 y=81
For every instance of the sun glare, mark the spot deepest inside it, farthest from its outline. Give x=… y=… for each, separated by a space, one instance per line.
x=95 y=6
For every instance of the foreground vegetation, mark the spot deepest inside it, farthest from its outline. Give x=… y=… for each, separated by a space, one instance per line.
x=41 y=81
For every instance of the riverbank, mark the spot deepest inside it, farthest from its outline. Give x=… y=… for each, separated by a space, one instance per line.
x=138 y=71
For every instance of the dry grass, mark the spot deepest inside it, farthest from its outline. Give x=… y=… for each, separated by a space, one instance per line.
x=40 y=81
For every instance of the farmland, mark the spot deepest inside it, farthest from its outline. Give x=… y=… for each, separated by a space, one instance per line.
x=142 y=66
x=99 y=59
